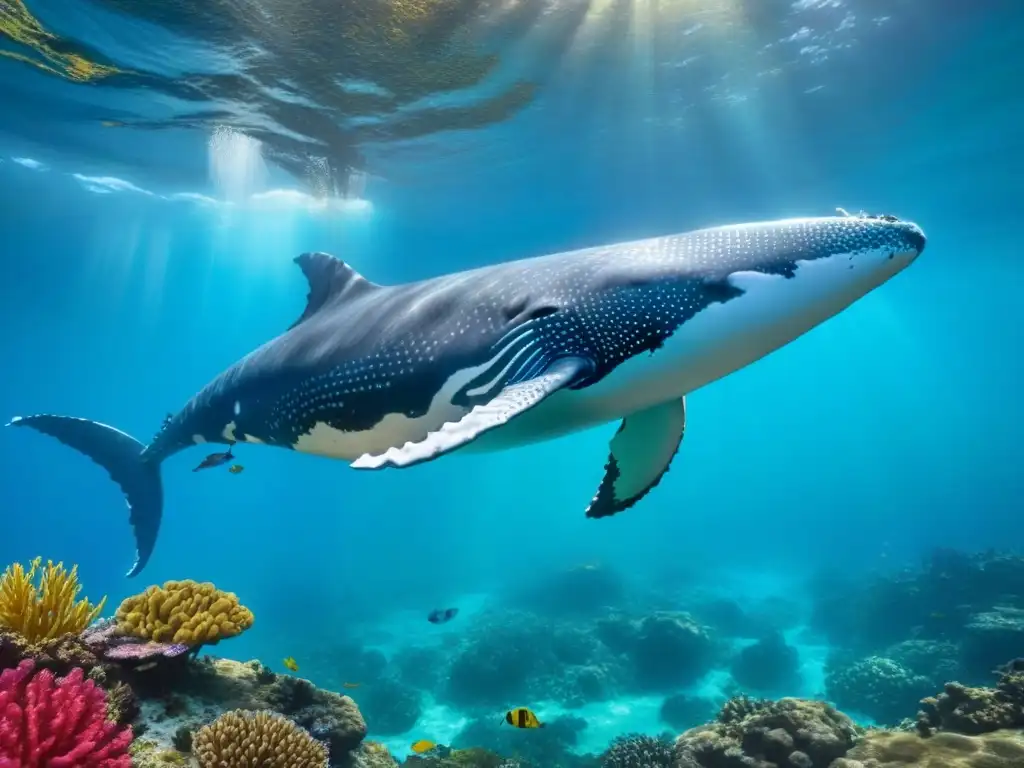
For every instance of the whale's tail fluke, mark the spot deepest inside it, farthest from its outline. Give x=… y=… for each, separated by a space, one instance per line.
x=122 y=456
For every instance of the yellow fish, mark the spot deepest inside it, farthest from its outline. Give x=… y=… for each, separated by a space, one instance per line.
x=111 y=123
x=423 y=745
x=291 y=665
x=350 y=685
x=521 y=717
x=234 y=469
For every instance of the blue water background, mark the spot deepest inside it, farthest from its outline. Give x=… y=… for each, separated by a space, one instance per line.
x=893 y=428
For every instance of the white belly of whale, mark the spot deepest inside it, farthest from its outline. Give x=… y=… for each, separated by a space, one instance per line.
x=723 y=338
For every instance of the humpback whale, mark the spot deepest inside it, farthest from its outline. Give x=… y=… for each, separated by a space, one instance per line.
x=514 y=353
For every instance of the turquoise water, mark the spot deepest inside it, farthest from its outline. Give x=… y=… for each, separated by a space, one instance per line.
x=140 y=259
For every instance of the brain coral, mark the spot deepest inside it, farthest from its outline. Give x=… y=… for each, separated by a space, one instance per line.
x=49 y=610
x=244 y=739
x=889 y=749
x=183 y=612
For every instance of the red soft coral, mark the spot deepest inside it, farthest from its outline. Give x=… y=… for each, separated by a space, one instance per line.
x=51 y=723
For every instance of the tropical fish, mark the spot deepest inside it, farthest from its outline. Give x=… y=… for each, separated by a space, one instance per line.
x=234 y=469
x=350 y=685
x=521 y=717
x=291 y=665
x=215 y=460
x=442 y=616
x=423 y=745
x=514 y=353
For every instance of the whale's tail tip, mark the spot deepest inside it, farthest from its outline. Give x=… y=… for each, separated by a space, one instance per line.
x=122 y=456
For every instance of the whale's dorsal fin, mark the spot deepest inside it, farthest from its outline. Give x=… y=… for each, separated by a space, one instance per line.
x=329 y=278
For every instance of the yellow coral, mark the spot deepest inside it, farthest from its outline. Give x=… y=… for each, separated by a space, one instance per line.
x=46 y=611
x=244 y=739
x=183 y=612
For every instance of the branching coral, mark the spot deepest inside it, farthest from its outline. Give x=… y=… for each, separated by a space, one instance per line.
x=638 y=751
x=243 y=739
x=876 y=686
x=57 y=723
x=47 y=610
x=183 y=612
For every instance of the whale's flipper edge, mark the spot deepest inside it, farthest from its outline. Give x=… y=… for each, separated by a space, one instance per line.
x=329 y=278
x=121 y=455
x=502 y=408
x=639 y=456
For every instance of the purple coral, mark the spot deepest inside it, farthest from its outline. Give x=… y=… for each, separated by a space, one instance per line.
x=141 y=651
x=102 y=636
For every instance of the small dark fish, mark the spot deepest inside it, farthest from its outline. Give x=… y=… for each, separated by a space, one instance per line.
x=521 y=717
x=234 y=469
x=439 y=616
x=215 y=460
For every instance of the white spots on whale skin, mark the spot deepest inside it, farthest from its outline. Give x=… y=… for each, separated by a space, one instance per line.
x=198 y=439
x=250 y=439
x=724 y=337
x=228 y=432
x=238 y=408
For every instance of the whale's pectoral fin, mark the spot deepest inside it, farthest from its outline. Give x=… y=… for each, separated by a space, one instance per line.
x=640 y=454
x=505 y=406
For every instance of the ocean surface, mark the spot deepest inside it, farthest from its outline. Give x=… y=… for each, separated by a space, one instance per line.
x=161 y=168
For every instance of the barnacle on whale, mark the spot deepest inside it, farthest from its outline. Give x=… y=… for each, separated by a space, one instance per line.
x=186 y=612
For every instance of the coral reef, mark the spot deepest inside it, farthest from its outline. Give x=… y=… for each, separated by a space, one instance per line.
x=635 y=750
x=419 y=666
x=47 y=722
x=48 y=610
x=770 y=664
x=888 y=749
x=789 y=733
x=963 y=599
x=512 y=655
x=666 y=649
x=990 y=636
x=185 y=612
x=578 y=592
x=975 y=710
x=877 y=687
x=243 y=739
x=391 y=706
x=934 y=659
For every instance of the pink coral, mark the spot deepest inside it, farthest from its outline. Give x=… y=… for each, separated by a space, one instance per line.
x=57 y=723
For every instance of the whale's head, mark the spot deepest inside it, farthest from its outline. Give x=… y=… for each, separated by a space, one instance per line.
x=687 y=309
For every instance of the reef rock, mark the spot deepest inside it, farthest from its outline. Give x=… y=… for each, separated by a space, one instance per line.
x=975 y=710
x=892 y=749
x=789 y=733
x=770 y=664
